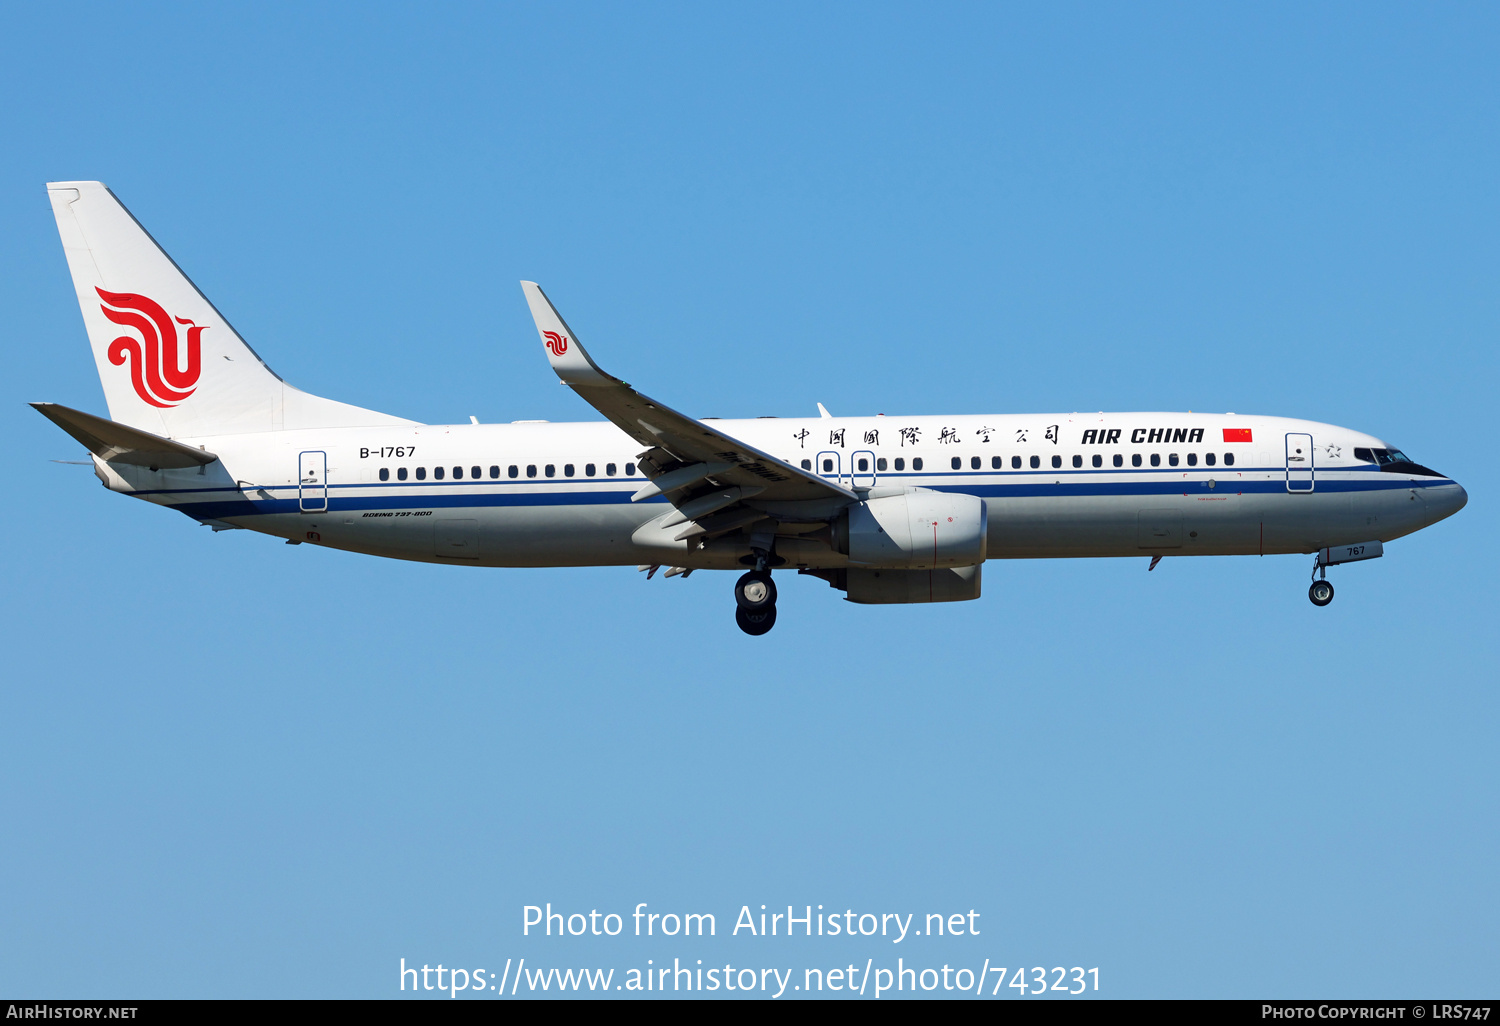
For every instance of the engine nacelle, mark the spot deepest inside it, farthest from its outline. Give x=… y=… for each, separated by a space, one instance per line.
x=918 y=529
x=871 y=587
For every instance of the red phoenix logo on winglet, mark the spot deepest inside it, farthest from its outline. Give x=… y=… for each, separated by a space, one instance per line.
x=156 y=368
x=556 y=344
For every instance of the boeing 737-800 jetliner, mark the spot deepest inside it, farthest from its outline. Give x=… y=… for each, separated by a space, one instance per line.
x=885 y=509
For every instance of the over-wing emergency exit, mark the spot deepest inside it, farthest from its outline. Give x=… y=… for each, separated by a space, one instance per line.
x=884 y=509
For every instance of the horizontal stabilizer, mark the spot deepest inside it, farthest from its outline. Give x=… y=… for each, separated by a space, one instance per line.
x=117 y=443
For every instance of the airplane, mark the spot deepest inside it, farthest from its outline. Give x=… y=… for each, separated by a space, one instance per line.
x=886 y=509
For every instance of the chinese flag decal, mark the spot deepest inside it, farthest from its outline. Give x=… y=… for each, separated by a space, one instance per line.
x=1237 y=434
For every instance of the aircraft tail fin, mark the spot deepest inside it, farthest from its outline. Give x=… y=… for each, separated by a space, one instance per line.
x=169 y=362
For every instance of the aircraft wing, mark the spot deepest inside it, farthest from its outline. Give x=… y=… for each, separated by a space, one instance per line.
x=114 y=442
x=704 y=472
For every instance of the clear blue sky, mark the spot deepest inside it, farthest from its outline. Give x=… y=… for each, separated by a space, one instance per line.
x=231 y=767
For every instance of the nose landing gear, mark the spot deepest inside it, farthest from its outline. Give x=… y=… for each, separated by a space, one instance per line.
x=1321 y=592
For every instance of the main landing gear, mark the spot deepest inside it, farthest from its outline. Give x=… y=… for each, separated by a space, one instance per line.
x=755 y=602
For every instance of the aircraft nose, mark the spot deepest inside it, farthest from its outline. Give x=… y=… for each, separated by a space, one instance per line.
x=1445 y=500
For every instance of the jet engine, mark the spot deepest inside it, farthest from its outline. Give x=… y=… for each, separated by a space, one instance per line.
x=917 y=530
x=879 y=587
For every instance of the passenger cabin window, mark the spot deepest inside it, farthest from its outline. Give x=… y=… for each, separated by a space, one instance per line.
x=1099 y=460
x=531 y=470
x=437 y=473
x=567 y=470
x=630 y=470
x=1229 y=459
x=494 y=472
x=975 y=462
x=864 y=464
x=513 y=471
x=1172 y=459
x=551 y=470
x=957 y=463
x=807 y=464
x=1155 y=460
x=400 y=473
x=474 y=473
x=1015 y=463
x=1209 y=458
x=458 y=473
x=997 y=462
x=421 y=473
x=828 y=466
x=880 y=463
x=1056 y=462
x=1078 y=461
x=900 y=463
x=385 y=474
x=609 y=470
x=1036 y=461
x=1192 y=459
x=588 y=469
x=1119 y=460
x=916 y=463
x=1135 y=459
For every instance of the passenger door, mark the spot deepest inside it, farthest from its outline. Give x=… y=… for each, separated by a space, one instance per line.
x=312 y=482
x=829 y=465
x=1299 y=462
x=862 y=469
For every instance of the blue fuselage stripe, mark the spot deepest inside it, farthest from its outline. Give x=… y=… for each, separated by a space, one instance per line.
x=474 y=494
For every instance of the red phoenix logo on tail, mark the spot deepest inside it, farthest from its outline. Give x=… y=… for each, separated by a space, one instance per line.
x=556 y=344
x=156 y=368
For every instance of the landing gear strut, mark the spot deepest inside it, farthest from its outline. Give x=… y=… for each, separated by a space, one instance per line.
x=755 y=602
x=1321 y=592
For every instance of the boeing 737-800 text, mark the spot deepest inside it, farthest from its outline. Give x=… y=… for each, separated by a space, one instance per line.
x=885 y=509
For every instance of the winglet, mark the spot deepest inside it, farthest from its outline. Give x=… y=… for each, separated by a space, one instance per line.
x=567 y=356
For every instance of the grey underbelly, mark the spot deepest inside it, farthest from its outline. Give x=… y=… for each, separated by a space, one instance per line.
x=1019 y=528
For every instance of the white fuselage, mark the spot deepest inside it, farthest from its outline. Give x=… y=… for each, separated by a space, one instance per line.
x=538 y=494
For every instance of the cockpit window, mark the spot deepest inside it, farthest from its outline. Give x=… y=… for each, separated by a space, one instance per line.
x=1381 y=456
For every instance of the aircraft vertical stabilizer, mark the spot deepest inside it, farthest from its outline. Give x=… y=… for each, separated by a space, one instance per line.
x=169 y=361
